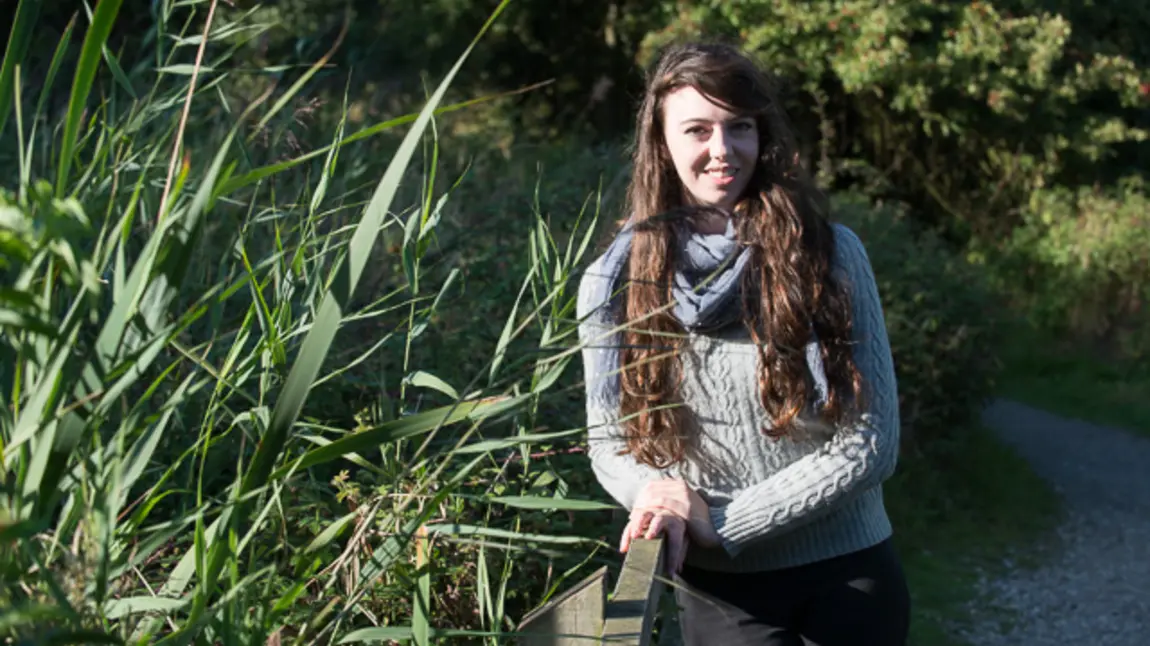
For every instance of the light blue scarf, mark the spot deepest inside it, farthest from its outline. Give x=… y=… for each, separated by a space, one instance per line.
x=706 y=289
x=707 y=274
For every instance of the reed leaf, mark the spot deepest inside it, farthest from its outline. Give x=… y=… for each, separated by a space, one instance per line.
x=19 y=37
x=89 y=60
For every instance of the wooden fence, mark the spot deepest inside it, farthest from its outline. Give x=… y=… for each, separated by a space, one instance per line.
x=584 y=615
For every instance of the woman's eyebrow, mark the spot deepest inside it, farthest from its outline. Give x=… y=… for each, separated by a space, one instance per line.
x=739 y=117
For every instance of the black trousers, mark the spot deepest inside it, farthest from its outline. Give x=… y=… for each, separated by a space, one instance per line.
x=858 y=599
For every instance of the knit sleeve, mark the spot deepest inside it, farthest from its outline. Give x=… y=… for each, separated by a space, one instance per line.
x=857 y=458
x=620 y=474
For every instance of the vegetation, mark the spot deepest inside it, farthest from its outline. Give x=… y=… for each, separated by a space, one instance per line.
x=956 y=523
x=940 y=316
x=287 y=359
x=171 y=315
x=1018 y=128
x=1077 y=381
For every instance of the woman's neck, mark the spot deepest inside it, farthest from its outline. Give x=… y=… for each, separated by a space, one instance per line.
x=710 y=224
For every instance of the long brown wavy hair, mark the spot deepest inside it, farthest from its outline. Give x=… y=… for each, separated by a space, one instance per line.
x=788 y=291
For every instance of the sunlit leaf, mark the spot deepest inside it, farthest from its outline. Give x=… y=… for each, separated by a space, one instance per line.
x=547 y=502
x=330 y=533
x=422 y=379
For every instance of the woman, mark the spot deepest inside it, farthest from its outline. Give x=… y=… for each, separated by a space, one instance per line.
x=741 y=396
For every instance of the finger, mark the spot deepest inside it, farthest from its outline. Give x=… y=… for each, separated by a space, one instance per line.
x=640 y=522
x=656 y=526
x=625 y=539
x=628 y=532
x=663 y=504
x=634 y=529
x=639 y=513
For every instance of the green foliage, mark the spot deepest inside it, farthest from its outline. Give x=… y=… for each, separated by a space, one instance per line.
x=972 y=510
x=970 y=107
x=983 y=116
x=588 y=73
x=941 y=317
x=1076 y=380
x=1079 y=263
x=167 y=471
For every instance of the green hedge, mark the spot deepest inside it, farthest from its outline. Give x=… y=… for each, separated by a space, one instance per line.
x=940 y=315
x=1080 y=264
x=1018 y=128
x=966 y=108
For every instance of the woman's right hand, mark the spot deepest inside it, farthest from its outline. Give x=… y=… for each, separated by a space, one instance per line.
x=649 y=523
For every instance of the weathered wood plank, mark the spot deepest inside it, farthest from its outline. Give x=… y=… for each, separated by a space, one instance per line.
x=574 y=618
x=630 y=614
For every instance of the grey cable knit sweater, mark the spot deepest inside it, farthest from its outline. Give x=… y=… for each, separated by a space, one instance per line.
x=774 y=503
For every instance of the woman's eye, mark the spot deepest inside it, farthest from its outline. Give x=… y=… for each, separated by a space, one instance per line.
x=696 y=130
x=744 y=126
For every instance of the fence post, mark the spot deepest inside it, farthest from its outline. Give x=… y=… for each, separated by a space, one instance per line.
x=583 y=616
x=630 y=614
x=574 y=618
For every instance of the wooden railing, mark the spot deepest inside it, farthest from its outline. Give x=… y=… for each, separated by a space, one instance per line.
x=584 y=615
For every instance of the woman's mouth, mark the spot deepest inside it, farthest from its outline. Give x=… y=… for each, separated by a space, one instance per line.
x=722 y=176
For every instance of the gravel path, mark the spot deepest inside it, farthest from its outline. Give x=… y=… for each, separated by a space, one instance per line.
x=1096 y=589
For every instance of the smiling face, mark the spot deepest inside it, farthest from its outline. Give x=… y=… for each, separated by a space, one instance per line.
x=713 y=149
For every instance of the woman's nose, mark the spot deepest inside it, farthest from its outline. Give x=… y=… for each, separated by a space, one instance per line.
x=718 y=143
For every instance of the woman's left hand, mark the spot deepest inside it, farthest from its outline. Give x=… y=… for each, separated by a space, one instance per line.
x=680 y=499
x=650 y=524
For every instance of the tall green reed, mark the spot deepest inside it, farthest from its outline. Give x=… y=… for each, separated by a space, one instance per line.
x=163 y=331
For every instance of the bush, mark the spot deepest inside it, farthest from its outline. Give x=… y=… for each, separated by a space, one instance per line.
x=1079 y=264
x=996 y=120
x=940 y=315
x=969 y=107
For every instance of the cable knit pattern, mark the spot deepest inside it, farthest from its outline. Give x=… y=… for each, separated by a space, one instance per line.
x=775 y=503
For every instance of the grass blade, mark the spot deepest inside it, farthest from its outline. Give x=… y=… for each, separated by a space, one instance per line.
x=421 y=610
x=330 y=533
x=456 y=529
x=49 y=80
x=423 y=379
x=399 y=429
x=118 y=608
x=177 y=147
x=318 y=341
x=546 y=502
x=118 y=72
x=18 y=39
x=304 y=78
x=251 y=177
x=487 y=446
x=509 y=328
x=89 y=60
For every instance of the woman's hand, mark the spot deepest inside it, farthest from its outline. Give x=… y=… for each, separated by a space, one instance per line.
x=649 y=523
x=676 y=497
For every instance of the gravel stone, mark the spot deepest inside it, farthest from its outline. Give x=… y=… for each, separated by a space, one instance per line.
x=1095 y=588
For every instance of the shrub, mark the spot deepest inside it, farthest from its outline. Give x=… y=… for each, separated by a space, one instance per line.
x=940 y=315
x=1079 y=264
x=969 y=107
